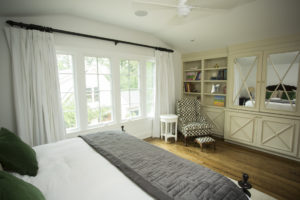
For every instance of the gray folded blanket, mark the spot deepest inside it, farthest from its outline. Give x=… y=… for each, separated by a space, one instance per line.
x=162 y=174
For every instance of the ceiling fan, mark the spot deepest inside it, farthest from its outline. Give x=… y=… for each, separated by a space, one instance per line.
x=183 y=8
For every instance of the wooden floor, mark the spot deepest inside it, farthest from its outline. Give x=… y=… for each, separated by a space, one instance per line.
x=276 y=176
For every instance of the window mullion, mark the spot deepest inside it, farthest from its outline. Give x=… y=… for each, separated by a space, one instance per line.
x=116 y=91
x=142 y=87
x=98 y=84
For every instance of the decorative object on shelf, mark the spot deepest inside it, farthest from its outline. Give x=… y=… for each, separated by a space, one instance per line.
x=214 y=76
x=190 y=76
x=195 y=68
x=217 y=66
x=245 y=185
x=219 y=101
x=215 y=88
x=224 y=88
x=198 y=76
x=190 y=87
x=243 y=100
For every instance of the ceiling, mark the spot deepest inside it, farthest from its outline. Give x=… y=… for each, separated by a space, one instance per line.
x=238 y=21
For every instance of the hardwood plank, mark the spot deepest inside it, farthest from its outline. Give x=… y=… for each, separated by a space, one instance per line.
x=274 y=175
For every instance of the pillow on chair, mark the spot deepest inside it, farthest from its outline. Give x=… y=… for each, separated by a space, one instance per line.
x=15 y=155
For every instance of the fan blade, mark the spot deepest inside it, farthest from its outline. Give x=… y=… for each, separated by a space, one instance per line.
x=203 y=9
x=155 y=4
x=193 y=16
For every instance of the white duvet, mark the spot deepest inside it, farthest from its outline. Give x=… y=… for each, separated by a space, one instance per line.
x=72 y=170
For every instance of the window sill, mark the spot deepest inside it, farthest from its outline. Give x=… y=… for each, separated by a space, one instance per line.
x=107 y=126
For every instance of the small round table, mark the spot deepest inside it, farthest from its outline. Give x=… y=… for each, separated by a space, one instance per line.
x=166 y=126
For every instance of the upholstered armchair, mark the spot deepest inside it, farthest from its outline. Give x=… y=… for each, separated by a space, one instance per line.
x=191 y=120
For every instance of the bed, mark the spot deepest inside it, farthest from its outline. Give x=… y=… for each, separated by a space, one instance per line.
x=96 y=167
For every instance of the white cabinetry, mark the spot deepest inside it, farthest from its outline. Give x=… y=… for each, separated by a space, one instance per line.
x=278 y=134
x=216 y=116
x=264 y=97
x=266 y=131
x=240 y=127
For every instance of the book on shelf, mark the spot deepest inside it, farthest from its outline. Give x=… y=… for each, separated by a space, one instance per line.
x=198 y=76
x=219 y=101
x=190 y=87
x=190 y=76
x=222 y=74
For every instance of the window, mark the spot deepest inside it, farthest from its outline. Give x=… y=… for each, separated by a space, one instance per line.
x=98 y=90
x=130 y=89
x=90 y=94
x=66 y=81
x=150 y=84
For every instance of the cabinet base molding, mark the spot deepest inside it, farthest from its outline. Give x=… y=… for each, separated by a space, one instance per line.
x=262 y=150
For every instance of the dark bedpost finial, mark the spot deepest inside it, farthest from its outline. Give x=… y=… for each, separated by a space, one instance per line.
x=122 y=127
x=245 y=185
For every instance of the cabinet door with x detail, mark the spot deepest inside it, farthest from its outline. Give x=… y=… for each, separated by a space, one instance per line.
x=278 y=134
x=245 y=73
x=280 y=79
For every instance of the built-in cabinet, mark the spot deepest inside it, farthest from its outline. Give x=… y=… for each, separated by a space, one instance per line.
x=262 y=95
x=270 y=132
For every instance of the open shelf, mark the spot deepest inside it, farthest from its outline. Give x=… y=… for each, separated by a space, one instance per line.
x=193 y=93
x=215 y=81
x=214 y=94
x=192 y=81
x=213 y=68
x=193 y=70
x=212 y=73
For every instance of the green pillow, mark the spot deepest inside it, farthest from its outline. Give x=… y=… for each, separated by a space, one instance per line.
x=13 y=188
x=268 y=94
x=15 y=155
x=291 y=94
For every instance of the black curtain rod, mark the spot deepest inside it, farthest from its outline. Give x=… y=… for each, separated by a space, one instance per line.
x=53 y=30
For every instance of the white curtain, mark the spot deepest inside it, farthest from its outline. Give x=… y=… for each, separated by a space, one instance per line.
x=165 y=88
x=36 y=86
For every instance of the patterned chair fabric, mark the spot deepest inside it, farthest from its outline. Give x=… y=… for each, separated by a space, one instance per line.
x=191 y=120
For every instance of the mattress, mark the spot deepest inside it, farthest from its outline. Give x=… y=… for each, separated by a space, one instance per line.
x=71 y=170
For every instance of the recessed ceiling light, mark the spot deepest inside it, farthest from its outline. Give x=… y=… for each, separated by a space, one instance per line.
x=141 y=13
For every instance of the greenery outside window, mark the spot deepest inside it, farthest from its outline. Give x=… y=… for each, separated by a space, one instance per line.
x=98 y=90
x=67 y=91
x=130 y=89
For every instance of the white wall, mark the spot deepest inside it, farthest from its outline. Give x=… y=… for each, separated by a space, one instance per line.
x=140 y=128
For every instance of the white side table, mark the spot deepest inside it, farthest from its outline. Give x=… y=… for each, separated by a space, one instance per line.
x=167 y=130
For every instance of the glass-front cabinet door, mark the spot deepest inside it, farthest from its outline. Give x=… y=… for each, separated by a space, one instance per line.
x=244 y=82
x=280 y=80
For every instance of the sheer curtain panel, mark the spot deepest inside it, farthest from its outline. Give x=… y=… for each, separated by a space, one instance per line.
x=164 y=88
x=36 y=86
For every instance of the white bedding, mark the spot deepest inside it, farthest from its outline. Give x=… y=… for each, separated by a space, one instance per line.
x=273 y=105
x=72 y=170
